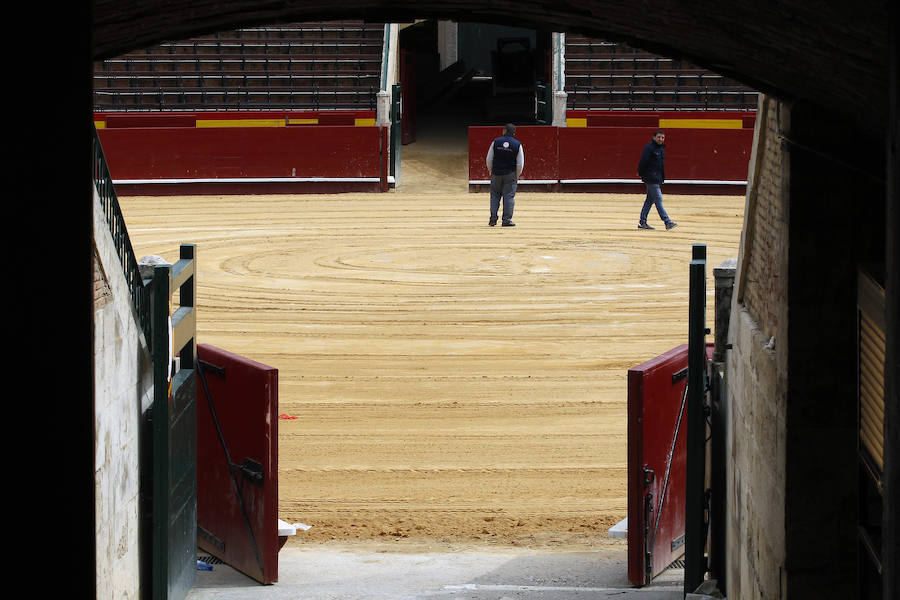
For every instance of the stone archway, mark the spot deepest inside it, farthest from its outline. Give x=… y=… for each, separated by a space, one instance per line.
x=830 y=62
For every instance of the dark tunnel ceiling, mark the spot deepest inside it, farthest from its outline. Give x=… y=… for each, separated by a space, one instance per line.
x=833 y=55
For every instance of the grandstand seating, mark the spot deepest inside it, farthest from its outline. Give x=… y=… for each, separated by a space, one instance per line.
x=303 y=66
x=613 y=76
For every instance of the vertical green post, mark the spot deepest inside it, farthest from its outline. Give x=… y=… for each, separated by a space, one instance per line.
x=694 y=542
x=396 y=131
x=162 y=276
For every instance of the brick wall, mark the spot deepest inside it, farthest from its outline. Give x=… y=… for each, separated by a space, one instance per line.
x=757 y=375
x=763 y=286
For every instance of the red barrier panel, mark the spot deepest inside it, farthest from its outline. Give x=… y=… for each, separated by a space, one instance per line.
x=713 y=159
x=237 y=462
x=160 y=120
x=704 y=154
x=600 y=152
x=276 y=153
x=606 y=119
x=541 y=154
x=592 y=153
x=337 y=118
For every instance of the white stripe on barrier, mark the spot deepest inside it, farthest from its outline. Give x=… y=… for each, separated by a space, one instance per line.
x=520 y=182
x=682 y=181
x=251 y=180
x=636 y=181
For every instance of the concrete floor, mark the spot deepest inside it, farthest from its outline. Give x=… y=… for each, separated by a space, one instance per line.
x=321 y=573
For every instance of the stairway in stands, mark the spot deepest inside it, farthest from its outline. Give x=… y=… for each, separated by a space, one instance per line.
x=613 y=76
x=333 y=65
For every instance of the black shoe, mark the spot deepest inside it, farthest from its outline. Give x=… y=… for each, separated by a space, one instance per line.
x=645 y=226
x=671 y=225
x=508 y=224
x=493 y=221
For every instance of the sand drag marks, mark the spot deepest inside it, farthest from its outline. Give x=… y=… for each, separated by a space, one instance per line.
x=451 y=382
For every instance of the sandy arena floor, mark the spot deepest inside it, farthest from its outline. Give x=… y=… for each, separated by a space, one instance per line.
x=452 y=384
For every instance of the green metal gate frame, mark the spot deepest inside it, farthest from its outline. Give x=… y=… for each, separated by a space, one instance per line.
x=174 y=430
x=695 y=524
x=396 y=131
x=543 y=100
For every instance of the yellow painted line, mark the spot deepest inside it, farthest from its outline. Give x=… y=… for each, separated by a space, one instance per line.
x=303 y=121
x=580 y=122
x=365 y=122
x=100 y=124
x=701 y=123
x=240 y=122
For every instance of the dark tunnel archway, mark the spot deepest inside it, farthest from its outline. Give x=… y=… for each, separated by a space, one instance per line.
x=833 y=57
x=834 y=60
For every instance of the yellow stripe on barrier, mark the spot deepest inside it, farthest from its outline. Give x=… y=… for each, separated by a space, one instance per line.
x=240 y=122
x=701 y=123
x=303 y=121
x=576 y=122
x=100 y=124
x=364 y=122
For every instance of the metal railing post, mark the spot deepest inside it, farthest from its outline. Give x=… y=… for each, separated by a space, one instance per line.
x=162 y=369
x=694 y=528
x=103 y=184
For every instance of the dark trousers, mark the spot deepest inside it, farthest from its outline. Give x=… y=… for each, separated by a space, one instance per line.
x=503 y=186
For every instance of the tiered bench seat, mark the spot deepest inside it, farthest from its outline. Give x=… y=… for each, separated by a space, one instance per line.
x=610 y=76
x=295 y=66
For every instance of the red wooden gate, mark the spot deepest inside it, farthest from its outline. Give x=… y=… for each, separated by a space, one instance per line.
x=657 y=463
x=237 y=462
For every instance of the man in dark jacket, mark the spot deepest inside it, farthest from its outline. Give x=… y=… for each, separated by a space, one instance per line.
x=505 y=161
x=652 y=170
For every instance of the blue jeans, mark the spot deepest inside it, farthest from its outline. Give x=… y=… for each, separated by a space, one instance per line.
x=654 y=196
x=503 y=186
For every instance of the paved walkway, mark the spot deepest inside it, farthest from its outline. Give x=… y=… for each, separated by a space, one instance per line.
x=325 y=574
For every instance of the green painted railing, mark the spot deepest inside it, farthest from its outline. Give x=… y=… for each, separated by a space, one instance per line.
x=543 y=99
x=140 y=294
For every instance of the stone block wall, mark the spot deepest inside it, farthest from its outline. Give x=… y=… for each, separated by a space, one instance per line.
x=763 y=285
x=813 y=217
x=757 y=375
x=123 y=386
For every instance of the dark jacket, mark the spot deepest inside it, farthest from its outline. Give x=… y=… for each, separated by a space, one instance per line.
x=652 y=166
x=506 y=153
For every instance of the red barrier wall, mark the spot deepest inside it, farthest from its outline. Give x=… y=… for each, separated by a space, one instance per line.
x=140 y=120
x=328 y=158
x=601 y=152
x=691 y=154
x=619 y=120
x=710 y=157
x=541 y=156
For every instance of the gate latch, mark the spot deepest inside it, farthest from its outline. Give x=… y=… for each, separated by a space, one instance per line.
x=649 y=475
x=251 y=469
